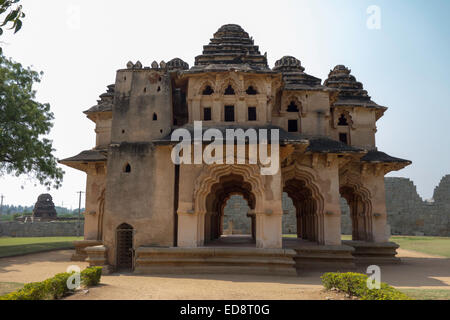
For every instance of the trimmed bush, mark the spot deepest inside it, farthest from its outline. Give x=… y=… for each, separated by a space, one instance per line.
x=355 y=284
x=55 y=287
x=91 y=276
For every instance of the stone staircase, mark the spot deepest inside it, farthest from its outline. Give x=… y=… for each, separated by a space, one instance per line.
x=215 y=260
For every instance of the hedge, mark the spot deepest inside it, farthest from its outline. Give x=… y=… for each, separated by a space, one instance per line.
x=355 y=284
x=54 y=288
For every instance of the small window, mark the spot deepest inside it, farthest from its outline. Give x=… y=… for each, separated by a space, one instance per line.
x=127 y=168
x=342 y=121
x=251 y=91
x=293 y=125
x=208 y=91
x=343 y=138
x=292 y=107
x=206 y=114
x=251 y=113
x=229 y=113
x=155 y=117
x=229 y=91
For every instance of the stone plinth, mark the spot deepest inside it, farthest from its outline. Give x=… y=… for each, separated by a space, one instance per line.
x=80 y=246
x=374 y=253
x=211 y=260
x=312 y=256
x=98 y=257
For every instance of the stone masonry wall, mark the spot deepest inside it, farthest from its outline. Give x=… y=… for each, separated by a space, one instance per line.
x=40 y=229
x=408 y=214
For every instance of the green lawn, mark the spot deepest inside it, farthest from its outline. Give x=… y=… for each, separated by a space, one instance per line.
x=427 y=294
x=432 y=245
x=18 y=246
x=439 y=246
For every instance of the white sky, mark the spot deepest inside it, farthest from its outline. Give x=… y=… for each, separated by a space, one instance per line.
x=80 y=44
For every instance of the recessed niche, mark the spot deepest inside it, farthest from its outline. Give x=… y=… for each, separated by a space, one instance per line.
x=127 y=168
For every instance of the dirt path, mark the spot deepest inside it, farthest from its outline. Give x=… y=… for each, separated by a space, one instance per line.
x=37 y=266
x=417 y=271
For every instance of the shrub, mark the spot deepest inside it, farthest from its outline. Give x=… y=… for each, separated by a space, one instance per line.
x=91 y=276
x=355 y=284
x=55 y=287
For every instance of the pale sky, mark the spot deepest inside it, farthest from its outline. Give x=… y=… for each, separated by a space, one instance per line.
x=404 y=65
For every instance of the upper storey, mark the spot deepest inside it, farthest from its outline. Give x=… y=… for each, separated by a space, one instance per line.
x=231 y=84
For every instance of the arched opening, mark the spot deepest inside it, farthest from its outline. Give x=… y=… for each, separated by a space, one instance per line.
x=216 y=225
x=155 y=117
x=306 y=209
x=359 y=209
x=101 y=211
x=236 y=218
x=124 y=245
x=229 y=91
x=342 y=121
x=251 y=91
x=289 y=221
x=208 y=91
x=292 y=107
x=127 y=168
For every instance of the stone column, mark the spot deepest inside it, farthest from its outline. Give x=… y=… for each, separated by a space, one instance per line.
x=328 y=180
x=241 y=110
x=269 y=222
x=187 y=229
x=375 y=185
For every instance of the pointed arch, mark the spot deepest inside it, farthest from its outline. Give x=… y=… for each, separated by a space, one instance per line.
x=212 y=174
x=359 y=200
x=315 y=203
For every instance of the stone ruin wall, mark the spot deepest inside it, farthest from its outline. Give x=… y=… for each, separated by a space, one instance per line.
x=408 y=214
x=41 y=229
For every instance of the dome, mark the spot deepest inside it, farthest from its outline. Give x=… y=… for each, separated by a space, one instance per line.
x=231 y=46
x=177 y=64
x=294 y=77
x=288 y=63
x=350 y=91
x=340 y=78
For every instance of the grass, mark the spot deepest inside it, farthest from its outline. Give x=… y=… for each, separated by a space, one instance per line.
x=431 y=245
x=19 y=246
x=427 y=294
x=438 y=246
x=7 y=287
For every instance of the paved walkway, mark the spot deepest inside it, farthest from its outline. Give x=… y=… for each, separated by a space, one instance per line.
x=417 y=271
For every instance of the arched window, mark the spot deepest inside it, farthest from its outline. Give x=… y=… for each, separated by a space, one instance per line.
x=229 y=91
x=127 y=168
x=208 y=91
x=292 y=107
x=342 y=120
x=155 y=117
x=251 y=91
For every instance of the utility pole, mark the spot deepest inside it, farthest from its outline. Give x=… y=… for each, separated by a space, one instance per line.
x=79 y=213
x=1 y=205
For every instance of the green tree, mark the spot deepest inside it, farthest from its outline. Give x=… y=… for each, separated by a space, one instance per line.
x=13 y=13
x=23 y=123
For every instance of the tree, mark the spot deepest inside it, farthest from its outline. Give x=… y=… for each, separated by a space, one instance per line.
x=23 y=123
x=14 y=14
